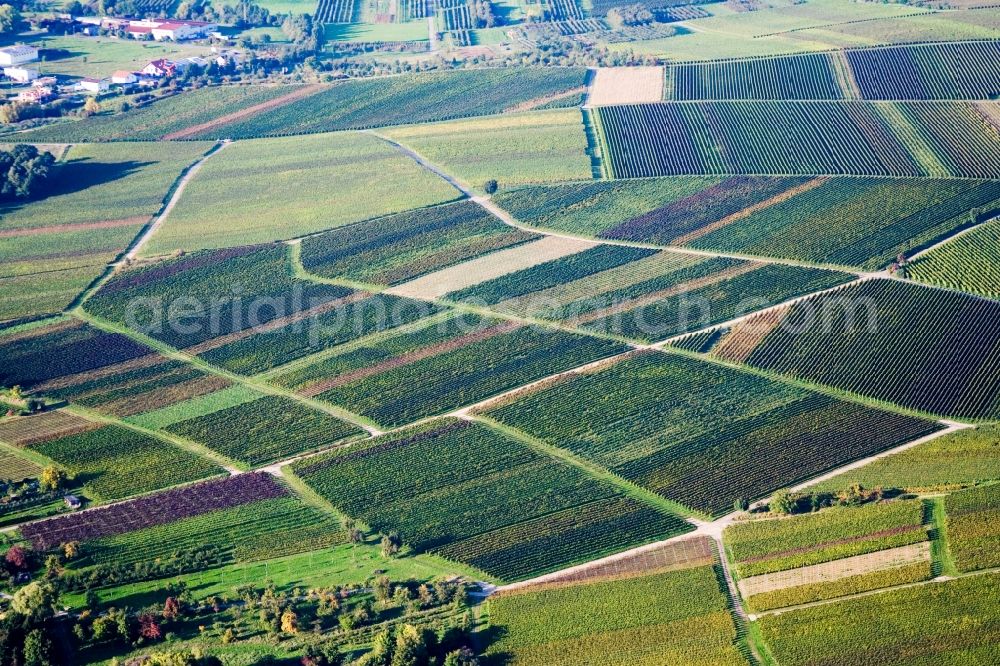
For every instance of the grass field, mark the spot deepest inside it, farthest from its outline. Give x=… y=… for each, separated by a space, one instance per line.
x=264 y=190
x=886 y=629
x=79 y=56
x=700 y=434
x=440 y=486
x=958 y=459
x=52 y=248
x=663 y=618
x=537 y=147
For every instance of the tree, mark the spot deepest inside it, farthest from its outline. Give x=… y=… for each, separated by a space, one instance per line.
x=24 y=171
x=91 y=107
x=16 y=558
x=35 y=601
x=289 y=622
x=149 y=627
x=461 y=657
x=783 y=502
x=171 y=609
x=490 y=186
x=52 y=478
x=71 y=550
x=741 y=504
x=37 y=649
x=391 y=544
x=316 y=655
x=411 y=648
x=10 y=19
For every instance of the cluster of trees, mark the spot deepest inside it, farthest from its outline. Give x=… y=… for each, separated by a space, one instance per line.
x=787 y=503
x=410 y=646
x=26 y=629
x=482 y=13
x=25 y=172
x=10 y=19
x=629 y=15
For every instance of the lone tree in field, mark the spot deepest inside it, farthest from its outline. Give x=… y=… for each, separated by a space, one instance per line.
x=741 y=504
x=782 y=502
x=491 y=186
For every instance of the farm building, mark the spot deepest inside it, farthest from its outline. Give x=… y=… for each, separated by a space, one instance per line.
x=21 y=74
x=18 y=54
x=123 y=77
x=36 y=95
x=94 y=85
x=160 y=68
x=73 y=502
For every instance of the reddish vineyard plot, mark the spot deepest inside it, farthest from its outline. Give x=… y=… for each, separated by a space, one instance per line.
x=700 y=434
x=156 y=509
x=474 y=495
x=921 y=348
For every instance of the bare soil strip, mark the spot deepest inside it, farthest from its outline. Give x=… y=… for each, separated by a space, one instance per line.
x=750 y=210
x=828 y=572
x=744 y=338
x=656 y=296
x=407 y=359
x=76 y=226
x=27 y=430
x=275 y=324
x=235 y=116
x=542 y=101
x=626 y=85
x=490 y=266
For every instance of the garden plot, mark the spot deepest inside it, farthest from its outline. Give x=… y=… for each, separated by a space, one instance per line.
x=700 y=434
x=474 y=495
x=626 y=85
x=490 y=267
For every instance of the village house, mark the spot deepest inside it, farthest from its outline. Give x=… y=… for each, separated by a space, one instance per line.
x=18 y=55
x=93 y=85
x=160 y=68
x=123 y=77
x=21 y=74
x=36 y=95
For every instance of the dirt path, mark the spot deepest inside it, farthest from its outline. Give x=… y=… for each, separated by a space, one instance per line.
x=175 y=196
x=541 y=101
x=242 y=114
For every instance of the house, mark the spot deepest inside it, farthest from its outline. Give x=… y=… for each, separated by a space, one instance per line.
x=160 y=68
x=21 y=74
x=123 y=77
x=18 y=55
x=176 y=30
x=73 y=502
x=93 y=85
x=36 y=95
x=197 y=61
x=139 y=31
x=45 y=82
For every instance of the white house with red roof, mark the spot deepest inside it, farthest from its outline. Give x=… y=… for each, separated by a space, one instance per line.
x=160 y=68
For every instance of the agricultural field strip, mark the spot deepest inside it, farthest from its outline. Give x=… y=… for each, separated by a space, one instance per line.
x=248 y=112
x=955 y=236
x=868 y=593
x=834 y=570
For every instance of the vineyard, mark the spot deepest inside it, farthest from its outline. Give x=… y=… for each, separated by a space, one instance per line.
x=923 y=349
x=265 y=430
x=970 y=263
x=380 y=102
x=157 y=509
x=24 y=431
x=443 y=366
x=114 y=462
x=766 y=546
x=60 y=350
x=973 y=534
x=397 y=248
x=963 y=70
x=651 y=298
x=562 y=10
x=335 y=11
x=719 y=434
x=958 y=459
x=797 y=77
x=15 y=468
x=439 y=486
x=885 y=628
x=835 y=138
x=677 y=617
